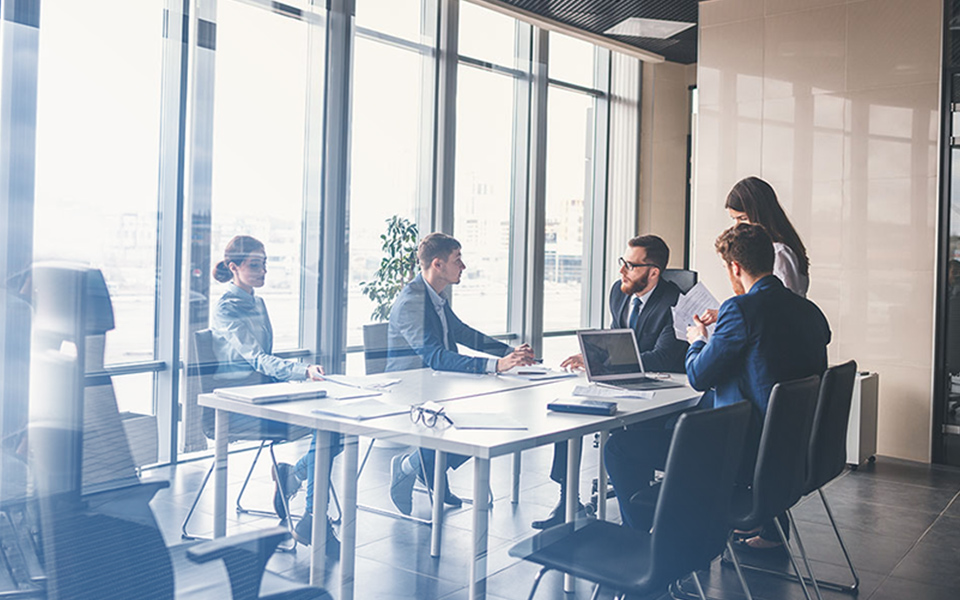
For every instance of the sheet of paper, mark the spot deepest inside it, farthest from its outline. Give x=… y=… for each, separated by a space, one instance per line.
x=694 y=302
x=481 y=420
x=597 y=391
x=360 y=382
x=368 y=408
x=538 y=373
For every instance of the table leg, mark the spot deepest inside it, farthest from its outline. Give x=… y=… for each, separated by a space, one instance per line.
x=515 y=492
x=321 y=492
x=221 y=432
x=439 y=493
x=574 y=447
x=481 y=490
x=348 y=519
x=602 y=479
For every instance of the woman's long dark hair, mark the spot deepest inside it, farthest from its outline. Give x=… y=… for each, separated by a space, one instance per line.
x=238 y=250
x=757 y=199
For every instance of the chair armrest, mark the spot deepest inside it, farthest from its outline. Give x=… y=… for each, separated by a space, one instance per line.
x=245 y=556
x=220 y=548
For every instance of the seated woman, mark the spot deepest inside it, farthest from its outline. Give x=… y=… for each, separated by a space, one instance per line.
x=244 y=352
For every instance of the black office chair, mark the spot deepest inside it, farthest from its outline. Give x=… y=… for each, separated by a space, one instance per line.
x=98 y=534
x=204 y=367
x=689 y=523
x=826 y=458
x=375 y=345
x=780 y=471
x=684 y=279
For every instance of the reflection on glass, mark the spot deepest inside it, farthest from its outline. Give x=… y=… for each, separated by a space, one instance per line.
x=570 y=141
x=389 y=137
x=486 y=35
x=953 y=301
x=484 y=188
x=258 y=150
x=401 y=18
x=98 y=138
x=571 y=60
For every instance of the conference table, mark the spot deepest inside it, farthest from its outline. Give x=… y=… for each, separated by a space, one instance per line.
x=521 y=400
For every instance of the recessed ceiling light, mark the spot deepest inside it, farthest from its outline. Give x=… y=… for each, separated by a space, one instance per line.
x=648 y=28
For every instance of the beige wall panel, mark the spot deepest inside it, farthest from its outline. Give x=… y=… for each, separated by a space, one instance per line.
x=847 y=134
x=731 y=62
x=903 y=428
x=776 y=7
x=717 y=12
x=894 y=43
x=805 y=52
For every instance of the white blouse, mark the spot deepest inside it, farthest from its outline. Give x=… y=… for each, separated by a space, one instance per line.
x=787 y=268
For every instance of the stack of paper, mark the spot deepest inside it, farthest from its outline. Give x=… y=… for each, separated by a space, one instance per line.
x=596 y=391
x=695 y=302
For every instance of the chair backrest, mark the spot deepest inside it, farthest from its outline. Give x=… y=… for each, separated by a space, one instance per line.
x=206 y=360
x=375 y=347
x=693 y=510
x=683 y=278
x=780 y=471
x=828 y=439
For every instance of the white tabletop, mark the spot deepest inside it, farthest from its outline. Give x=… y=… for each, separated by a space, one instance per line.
x=524 y=401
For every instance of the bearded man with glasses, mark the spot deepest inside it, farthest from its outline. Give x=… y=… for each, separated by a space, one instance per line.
x=640 y=300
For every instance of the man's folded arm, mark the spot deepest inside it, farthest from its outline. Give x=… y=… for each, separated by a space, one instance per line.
x=709 y=362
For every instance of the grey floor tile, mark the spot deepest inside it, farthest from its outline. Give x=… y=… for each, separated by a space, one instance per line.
x=895 y=588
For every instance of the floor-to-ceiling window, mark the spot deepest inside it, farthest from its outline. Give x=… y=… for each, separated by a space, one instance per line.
x=574 y=128
x=242 y=150
x=258 y=160
x=491 y=141
x=98 y=141
x=391 y=136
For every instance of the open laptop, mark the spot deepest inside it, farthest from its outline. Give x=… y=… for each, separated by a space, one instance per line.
x=611 y=357
x=275 y=392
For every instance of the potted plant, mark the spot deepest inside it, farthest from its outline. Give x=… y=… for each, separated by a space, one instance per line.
x=397 y=267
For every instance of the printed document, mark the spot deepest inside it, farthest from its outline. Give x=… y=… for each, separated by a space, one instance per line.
x=695 y=302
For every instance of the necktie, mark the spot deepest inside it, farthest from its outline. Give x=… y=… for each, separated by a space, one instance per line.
x=634 y=312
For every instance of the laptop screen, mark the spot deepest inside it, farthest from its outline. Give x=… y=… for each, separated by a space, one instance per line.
x=610 y=354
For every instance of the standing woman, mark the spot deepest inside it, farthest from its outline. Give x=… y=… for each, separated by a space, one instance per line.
x=245 y=356
x=752 y=200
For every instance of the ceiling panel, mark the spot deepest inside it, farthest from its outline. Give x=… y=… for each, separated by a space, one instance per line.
x=597 y=16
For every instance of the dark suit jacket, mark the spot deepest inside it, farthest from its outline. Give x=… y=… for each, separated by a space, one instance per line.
x=660 y=350
x=415 y=336
x=766 y=336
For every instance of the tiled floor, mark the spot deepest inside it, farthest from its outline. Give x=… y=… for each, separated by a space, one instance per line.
x=901 y=522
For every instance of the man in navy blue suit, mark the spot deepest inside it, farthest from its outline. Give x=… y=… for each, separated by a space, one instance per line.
x=424 y=332
x=640 y=300
x=765 y=334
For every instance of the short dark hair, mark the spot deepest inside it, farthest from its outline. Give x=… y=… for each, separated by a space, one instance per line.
x=436 y=245
x=657 y=251
x=749 y=245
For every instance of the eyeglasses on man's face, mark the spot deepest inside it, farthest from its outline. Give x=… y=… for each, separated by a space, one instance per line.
x=429 y=415
x=626 y=264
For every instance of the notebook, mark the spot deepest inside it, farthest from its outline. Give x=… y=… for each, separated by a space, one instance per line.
x=611 y=357
x=275 y=392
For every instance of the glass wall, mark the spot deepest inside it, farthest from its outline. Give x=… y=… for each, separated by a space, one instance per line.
x=492 y=85
x=572 y=127
x=259 y=120
x=97 y=162
x=391 y=135
x=127 y=166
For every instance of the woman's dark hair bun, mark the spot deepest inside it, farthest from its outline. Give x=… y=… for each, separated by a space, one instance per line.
x=222 y=273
